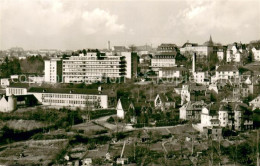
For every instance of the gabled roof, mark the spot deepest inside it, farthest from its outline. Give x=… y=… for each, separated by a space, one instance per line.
x=227 y=68
x=198 y=105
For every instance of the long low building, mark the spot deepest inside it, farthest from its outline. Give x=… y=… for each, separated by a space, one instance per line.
x=66 y=97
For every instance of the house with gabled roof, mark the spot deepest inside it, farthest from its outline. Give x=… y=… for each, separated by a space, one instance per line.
x=163 y=101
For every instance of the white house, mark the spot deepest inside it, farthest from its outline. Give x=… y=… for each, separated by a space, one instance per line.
x=226 y=72
x=256 y=53
x=5 y=82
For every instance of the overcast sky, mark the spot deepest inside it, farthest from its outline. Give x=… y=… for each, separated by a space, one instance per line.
x=77 y=24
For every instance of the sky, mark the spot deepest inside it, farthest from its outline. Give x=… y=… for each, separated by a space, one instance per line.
x=78 y=24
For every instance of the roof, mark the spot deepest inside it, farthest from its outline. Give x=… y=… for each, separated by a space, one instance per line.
x=19 y=85
x=187 y=43
x=164 y=56
x=196 y=105
x=64 y=90
x=213 y=108
x=227 y=68
x=174 y=69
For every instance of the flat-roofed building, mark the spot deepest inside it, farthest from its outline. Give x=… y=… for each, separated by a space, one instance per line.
x=53 y=70
x=70 y=97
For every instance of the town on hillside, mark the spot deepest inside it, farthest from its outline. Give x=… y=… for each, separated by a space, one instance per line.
x=132 y=105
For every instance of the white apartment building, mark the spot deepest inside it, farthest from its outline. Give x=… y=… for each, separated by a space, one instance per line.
x=256 y=53
x=93 y=67
x=53 y=70
x=82 y=98
x=226 y=72
x=161 y=61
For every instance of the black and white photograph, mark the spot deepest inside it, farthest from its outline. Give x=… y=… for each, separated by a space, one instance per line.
x=129 y=82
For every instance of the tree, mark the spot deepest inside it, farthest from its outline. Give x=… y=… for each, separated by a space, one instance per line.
x=250 y=56
x=132 y=48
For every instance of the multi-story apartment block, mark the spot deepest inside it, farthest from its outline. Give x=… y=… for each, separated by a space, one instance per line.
x=163 y=60
x=53 y=70
x=92 y=67
x=236 y=116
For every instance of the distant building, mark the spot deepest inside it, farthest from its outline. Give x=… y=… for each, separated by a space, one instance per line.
x=202 y=51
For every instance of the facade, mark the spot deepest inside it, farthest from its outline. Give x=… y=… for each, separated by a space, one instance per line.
x=17 y=89
x=226 y=72
x=82 y=98
x=172 y=72
x=162 y=61
x=53 y=70
x=192 y=110
x=95 y=66
x=235 y=116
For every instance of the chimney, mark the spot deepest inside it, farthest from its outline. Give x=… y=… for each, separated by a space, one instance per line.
x=193 y=62
x=108 y=45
